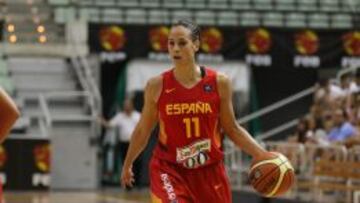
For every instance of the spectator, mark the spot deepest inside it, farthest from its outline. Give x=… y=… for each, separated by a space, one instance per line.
x=342 y=128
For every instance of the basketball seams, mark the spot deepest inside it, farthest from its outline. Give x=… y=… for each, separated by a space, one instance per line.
x=282 y=164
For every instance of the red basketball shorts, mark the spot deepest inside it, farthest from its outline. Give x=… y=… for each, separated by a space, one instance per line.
x=170 y=183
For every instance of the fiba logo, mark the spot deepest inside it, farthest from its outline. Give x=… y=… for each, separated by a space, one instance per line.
x=211 y=40
x=3 y=156
x=259 y=41
x=306 y=42
x=158 y=38
x=112 y=38
x=351 y=43
x=42 y=157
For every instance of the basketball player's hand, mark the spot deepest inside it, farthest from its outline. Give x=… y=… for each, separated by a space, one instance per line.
x=127 y=177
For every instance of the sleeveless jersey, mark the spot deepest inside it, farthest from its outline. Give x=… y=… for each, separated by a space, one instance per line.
x=189 y=132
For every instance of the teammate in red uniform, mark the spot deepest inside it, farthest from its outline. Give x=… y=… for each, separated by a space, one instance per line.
x=8 y=115
x=191 y=104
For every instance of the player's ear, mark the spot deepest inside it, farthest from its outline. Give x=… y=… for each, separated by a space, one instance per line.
x=196 y=45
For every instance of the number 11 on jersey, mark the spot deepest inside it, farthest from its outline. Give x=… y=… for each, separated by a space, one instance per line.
x=192 y=126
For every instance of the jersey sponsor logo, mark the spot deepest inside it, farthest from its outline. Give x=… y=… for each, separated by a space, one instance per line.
x=194 y=155
x=167 y=91
x=188 y=108
x=168 y=187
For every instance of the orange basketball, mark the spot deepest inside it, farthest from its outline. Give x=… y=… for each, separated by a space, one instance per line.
x=272 y=177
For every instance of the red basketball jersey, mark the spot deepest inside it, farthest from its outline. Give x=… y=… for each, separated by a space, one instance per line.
x=189 y=132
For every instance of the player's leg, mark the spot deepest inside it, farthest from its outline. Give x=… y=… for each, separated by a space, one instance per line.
x=210 y=184
x=167 y=185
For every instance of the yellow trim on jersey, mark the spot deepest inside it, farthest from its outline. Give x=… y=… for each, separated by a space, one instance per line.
x=155 y=199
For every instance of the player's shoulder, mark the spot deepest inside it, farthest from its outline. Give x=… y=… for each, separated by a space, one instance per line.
x=222 y=78
x=154 y=86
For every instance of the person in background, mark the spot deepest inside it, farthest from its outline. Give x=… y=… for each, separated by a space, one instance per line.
x=124 y=122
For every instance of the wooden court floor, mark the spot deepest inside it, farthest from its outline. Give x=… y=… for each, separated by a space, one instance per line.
x=103 y=196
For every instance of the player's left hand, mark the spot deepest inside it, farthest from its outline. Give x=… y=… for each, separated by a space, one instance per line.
x=127 y=177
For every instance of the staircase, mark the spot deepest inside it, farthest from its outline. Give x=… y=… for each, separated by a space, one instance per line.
x=59 y=110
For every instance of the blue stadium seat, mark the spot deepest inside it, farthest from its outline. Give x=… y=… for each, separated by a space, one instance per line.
x=181 y=14
x=112 y=15
x=135 y=16
x=173 y=4
x=150 y=3
x=263 y=5
x=196 y=4
x=218 y=4
x=329 y=5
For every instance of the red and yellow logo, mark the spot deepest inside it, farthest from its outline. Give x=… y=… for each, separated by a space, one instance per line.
x=211 y=40
x=351 y=43
x=259 y=40
x=159 y=38
x=42 y=157
x=307 y=42
x=3 y=156
x=112 y=38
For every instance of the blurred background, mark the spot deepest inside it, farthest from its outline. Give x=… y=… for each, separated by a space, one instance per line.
x=71 y=64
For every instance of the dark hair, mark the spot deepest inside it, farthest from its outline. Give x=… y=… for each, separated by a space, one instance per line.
x=194 y=28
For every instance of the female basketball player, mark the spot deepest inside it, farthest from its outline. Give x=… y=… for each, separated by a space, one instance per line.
x=8 y=115
x=191 y=103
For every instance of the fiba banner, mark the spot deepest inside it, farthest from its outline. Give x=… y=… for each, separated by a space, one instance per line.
x=25 y=164
x=266 y=47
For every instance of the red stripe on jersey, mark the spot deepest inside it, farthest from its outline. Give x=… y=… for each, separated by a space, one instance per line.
x=189 y=122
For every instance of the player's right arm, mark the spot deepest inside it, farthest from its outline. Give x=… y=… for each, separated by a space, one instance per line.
x=142 y=131
x=9 y=113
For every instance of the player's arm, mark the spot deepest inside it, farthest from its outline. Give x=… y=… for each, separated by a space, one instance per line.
x=8 y=114
x=234 y=131
x=142 y=131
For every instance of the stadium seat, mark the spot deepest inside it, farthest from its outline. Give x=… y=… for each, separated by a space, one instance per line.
x=64 y=14
x=136 y=16
x=158 y=17
x=329 y=5
x=349 y=6
x=89 y=14
x=307 y=5
x=195 y=4
x=130 y=3
x=263 y=4
x=181 y=14
x=228 y=18
x=273 y=19
x=105 y=3
x=150 y=3
x=205 y=18
x=341 y=21
x=250 y=19
x=7 y=84
x=112 y=15
x=3 y=69
x=285 y=5
x=173 y=4
x=318 y=20
x=85 y=2
x=218 y=4
x=295 y=20
x=59 y=2
x=240 y=4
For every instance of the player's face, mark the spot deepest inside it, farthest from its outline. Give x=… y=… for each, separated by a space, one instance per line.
x=180 y=45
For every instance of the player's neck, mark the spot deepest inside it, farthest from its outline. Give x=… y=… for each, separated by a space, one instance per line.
x=187 y=72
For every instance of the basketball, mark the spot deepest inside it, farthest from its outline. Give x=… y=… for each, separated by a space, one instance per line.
x=272 y=177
